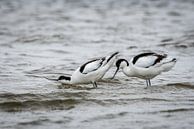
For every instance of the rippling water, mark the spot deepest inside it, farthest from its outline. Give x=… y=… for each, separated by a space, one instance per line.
x=48 y=38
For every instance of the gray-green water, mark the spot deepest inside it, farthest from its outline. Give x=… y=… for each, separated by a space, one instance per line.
x=53 y=37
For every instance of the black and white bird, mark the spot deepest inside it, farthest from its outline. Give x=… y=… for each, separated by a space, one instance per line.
x=145 y=66
x=90 y=72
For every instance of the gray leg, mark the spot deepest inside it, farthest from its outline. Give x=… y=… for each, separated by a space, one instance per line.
x=149 y=82
x=94 y=84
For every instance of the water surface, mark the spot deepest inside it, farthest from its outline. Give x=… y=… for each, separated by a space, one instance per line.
x=48 y=38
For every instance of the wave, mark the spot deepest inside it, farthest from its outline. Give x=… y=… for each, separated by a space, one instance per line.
x=182 y=85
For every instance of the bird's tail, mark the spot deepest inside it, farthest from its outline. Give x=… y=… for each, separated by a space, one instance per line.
x=166 y=66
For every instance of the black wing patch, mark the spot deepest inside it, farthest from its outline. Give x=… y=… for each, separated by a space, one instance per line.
x=158 y=59
x=112 y=56
x=84 y=65
x=141 y=55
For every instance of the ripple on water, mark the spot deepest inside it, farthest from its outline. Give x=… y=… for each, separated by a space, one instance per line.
x=55 y=101
x=182 y=85
x=183 y=42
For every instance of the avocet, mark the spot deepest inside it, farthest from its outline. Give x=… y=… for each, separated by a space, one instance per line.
x=90 y=72
x=145 y=66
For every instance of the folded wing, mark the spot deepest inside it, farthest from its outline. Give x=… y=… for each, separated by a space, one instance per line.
x=91 y=66
x=146 y=60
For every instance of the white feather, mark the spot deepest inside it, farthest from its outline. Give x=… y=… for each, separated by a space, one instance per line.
x=92 y=66
x=146 y=61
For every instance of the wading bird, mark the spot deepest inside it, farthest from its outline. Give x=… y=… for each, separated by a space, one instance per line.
x=145 y=66
x=90 y=72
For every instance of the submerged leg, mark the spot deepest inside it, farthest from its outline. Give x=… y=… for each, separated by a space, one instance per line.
x=94 y=84
x=149 y=82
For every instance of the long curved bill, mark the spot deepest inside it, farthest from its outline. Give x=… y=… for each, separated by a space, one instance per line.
x=115 y=73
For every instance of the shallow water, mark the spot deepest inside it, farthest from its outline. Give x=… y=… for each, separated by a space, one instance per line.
x=48 y=38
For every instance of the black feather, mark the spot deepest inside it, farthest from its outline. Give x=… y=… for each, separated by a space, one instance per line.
x=112 y=56
x=119 y=62
x=141 y=55
x=64 y=78
x=159 y=57
x=84 y=65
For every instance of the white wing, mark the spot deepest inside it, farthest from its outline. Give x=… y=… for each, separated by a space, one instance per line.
x=91 y=66
x=146 y=62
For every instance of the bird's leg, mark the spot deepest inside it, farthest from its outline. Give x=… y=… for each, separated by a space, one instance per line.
x=94 y=84
x=149 y=82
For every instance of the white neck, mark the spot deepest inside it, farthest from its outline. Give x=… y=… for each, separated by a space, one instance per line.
x=65 y=81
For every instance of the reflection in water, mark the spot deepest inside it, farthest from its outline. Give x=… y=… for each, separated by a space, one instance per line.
x=49 y=38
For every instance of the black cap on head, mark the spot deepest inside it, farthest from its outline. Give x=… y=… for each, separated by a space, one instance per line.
x=64 y=78
x=118 y=65
x=174 y=59
x=119 y=62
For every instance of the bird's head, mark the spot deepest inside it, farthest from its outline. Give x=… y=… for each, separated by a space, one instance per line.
x=120 y=63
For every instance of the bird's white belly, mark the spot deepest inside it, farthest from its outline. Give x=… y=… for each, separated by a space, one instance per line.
x=79 y=78
x=145 y=73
